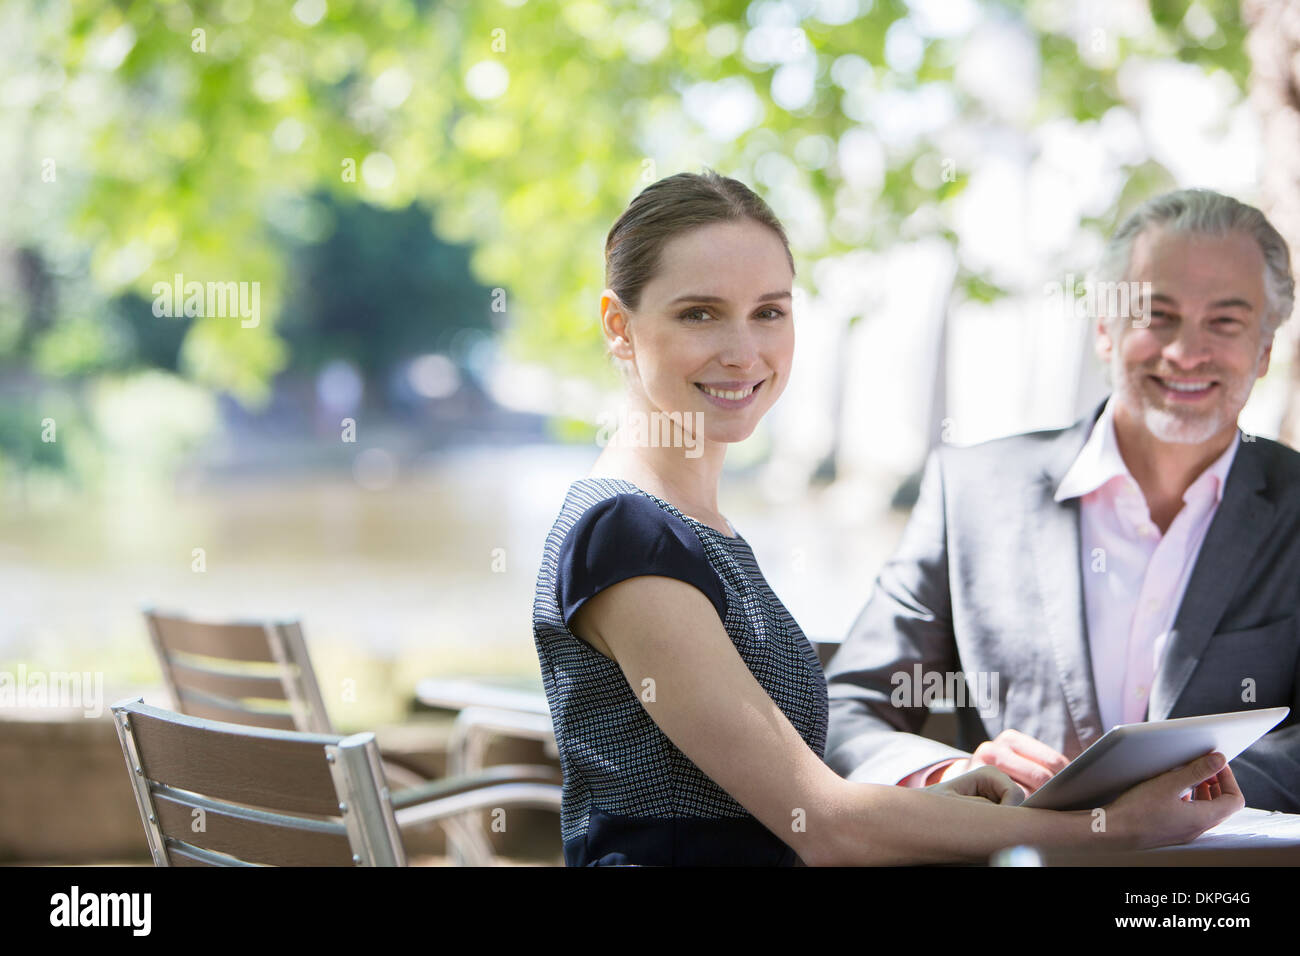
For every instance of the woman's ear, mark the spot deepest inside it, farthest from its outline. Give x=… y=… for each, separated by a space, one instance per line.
x=614 y=325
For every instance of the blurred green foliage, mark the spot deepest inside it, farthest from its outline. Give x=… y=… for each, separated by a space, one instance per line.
x=379 y=289
x=233 y=141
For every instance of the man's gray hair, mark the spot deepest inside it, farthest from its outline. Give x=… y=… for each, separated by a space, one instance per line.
x=1205 y=211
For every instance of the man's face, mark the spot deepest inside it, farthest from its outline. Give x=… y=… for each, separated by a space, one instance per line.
x=1186 y=376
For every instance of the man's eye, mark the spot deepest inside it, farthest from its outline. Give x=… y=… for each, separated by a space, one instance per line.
x=1227 y=321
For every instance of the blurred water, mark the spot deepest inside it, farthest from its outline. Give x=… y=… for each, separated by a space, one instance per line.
x=434 y=567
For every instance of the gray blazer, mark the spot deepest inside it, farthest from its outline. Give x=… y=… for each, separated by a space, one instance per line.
x=988 y=580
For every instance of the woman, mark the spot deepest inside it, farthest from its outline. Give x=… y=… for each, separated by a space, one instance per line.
x=689 y=709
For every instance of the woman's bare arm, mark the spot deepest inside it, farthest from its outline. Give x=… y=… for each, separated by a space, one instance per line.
x=666 y=637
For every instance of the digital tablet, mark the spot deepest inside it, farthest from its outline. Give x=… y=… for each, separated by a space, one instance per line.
x=1131 y=753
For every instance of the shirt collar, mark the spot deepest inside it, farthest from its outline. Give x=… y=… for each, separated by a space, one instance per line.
x=1099 y=461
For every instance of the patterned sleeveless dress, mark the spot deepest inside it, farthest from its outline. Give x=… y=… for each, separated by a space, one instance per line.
x=630 y=796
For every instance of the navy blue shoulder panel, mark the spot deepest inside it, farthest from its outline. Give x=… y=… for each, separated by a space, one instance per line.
x=625 y=536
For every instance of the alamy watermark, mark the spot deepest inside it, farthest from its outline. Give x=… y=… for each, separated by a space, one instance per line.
x=217 y=299
x=75 y=908
x=633 y=429
x=921 y=688
x=1125 y=300
x=69 y=689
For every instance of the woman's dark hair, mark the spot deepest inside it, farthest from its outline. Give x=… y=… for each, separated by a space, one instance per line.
x=666 y=208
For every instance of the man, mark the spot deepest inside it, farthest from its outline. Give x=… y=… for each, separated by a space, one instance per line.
x=1142 y=564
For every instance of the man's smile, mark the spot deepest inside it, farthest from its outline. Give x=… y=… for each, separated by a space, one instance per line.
x=1185 y=389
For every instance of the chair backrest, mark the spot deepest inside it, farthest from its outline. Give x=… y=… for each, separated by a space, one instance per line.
x=256 y=673
x=213 y=793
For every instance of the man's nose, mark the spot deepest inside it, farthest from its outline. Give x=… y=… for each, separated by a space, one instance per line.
x=1189 y=348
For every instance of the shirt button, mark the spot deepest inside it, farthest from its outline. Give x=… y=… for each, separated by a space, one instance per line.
x=1147 y=530
x=1141 y=692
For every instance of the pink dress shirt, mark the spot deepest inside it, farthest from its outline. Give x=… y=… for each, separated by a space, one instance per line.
x=1133 y=576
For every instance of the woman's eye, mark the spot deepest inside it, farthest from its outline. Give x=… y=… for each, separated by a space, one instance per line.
x=695 y=315
x=772 y=313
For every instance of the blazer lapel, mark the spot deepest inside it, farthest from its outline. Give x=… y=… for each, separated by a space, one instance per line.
x=1056 y=553
x=1240 y=525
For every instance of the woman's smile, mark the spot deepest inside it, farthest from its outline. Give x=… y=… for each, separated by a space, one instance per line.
x=730 y=394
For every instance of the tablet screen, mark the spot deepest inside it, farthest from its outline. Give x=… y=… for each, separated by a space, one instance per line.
x=1132 y=753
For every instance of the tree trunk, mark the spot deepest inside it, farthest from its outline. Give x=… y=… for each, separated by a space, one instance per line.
x=1273 y=42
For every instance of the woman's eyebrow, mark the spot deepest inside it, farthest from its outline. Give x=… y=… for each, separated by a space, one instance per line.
x=716 y=298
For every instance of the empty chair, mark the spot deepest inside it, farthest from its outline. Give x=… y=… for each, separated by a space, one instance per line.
x=214 y=793
x=259 y=673
x=244 y=672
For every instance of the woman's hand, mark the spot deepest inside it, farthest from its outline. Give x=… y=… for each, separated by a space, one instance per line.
x=1156 y=813
x=982 y=783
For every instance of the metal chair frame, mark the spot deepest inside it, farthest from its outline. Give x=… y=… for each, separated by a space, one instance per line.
x=297 y=683
x=368 y=815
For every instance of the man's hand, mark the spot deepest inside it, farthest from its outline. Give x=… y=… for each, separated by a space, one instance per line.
x=982 y=783
x=1029 y=762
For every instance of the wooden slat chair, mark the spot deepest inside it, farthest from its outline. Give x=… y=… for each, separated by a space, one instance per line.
x=213 y=793
x=260 y=674
x=247 y=672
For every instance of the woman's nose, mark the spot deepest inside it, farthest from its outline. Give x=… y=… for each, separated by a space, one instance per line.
x=740 y=351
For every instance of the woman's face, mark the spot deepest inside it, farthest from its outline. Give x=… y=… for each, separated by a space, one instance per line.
x=713 y=332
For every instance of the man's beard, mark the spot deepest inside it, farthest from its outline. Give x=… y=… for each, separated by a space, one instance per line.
x=1182 y=426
